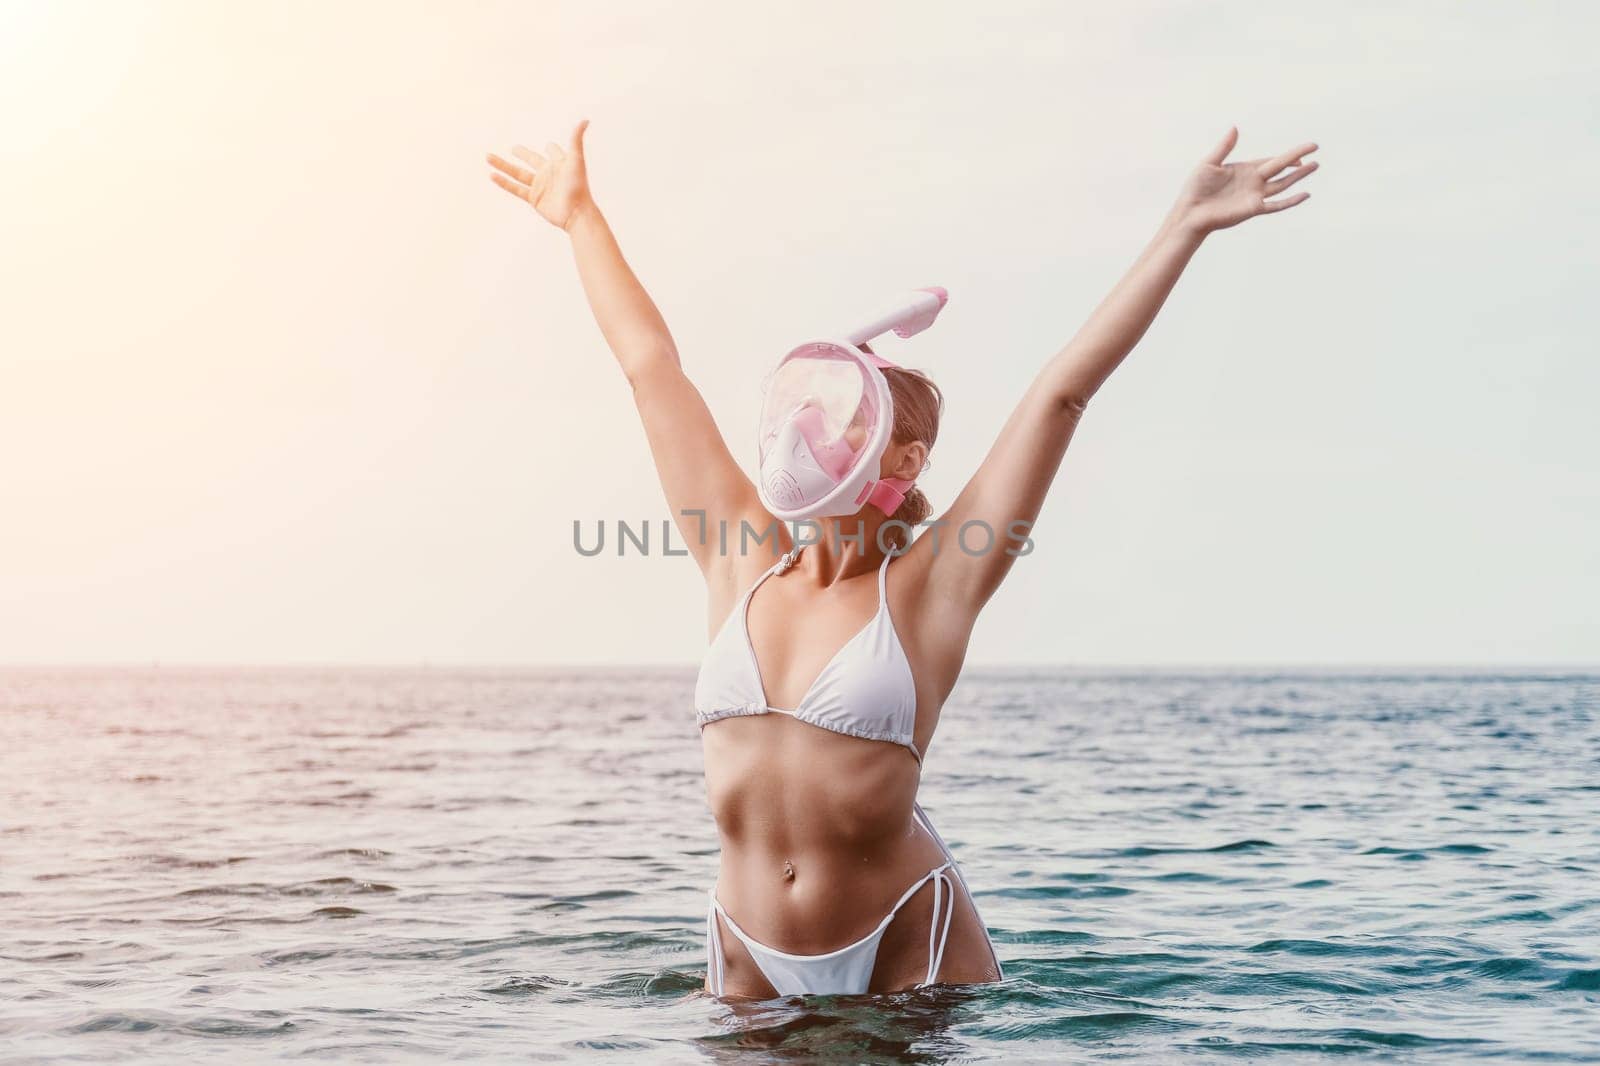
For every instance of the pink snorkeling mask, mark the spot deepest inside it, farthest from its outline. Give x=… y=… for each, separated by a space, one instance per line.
x=828 y=417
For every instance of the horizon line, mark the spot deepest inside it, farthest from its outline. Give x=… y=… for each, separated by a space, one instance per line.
x=1176 y=666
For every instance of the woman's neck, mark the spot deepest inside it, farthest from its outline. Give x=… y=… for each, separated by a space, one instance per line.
x=847 y=547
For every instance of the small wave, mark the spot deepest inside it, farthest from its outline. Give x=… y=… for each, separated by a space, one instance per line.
x=1443 y=849
x=298 y=956
x=1510 y=969
x=34 y=960
x=149 y=1021
x=1517 y=916
x=342 y=884
x=327 y=886
x=1580 y=981
x=353 y=853
x=1288 y=982
x=526 y=985
x=342 y=797
x=253 y=888
x=124 y=1023
x=1144 y=852
x=1401 y=1040
x=1241 y=845
x=590 y=897
x=1080 y=1026
x=1321 y=947
x=1043 y=936
x=668 y=983
x=180 y=862
x=1338 y=1042
x=337 y=912
x=401 y=730
x=1061 y=892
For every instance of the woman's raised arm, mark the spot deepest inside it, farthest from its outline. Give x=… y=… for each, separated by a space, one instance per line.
x=1011 y=483
x=697 y=471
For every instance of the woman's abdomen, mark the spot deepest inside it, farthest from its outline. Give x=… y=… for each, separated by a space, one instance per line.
x=818 y=841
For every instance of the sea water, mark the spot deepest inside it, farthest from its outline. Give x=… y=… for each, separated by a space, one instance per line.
x=384 y=865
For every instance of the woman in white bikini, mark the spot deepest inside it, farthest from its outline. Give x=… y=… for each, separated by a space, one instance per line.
x=823 y=684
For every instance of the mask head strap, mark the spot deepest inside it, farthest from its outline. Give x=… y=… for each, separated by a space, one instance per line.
x=877 y=360
x=888 y=493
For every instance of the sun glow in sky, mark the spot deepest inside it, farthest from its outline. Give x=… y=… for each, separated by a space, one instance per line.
x=284 y=378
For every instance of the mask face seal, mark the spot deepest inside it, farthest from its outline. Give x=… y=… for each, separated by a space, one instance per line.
x=828 y=418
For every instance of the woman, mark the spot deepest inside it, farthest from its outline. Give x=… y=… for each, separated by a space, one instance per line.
x=832 y=879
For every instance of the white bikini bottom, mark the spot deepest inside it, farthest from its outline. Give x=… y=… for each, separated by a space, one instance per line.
x=847 y=970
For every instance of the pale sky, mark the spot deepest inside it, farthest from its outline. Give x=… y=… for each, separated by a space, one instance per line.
x=284 y=378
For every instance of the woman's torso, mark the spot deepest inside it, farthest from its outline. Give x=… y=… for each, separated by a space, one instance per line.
x=809 y=816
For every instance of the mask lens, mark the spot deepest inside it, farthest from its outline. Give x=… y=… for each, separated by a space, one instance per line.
x=825 y=392
x=822 y=426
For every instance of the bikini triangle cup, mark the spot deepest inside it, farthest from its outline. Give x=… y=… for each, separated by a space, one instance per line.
x=865 y=690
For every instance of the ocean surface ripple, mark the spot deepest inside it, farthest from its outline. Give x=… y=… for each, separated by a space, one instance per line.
x=377 y=864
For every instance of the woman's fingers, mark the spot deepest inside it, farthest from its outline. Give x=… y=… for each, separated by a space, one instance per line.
x=521 y=192
x=555 y=152
x=1287 y=202
x=577 y=137
x=1258 y=165
x=530 y=157
x=1224 y=146
x=1273 y=188
x=1278 y=162
x=505 y=166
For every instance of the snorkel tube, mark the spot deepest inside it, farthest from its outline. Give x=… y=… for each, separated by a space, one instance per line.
x=907 y=318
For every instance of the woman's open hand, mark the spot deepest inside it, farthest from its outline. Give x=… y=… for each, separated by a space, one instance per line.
x=555 y=183
x=1218 y=194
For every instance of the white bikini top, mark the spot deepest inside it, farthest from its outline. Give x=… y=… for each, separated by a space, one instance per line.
x=866 y=690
